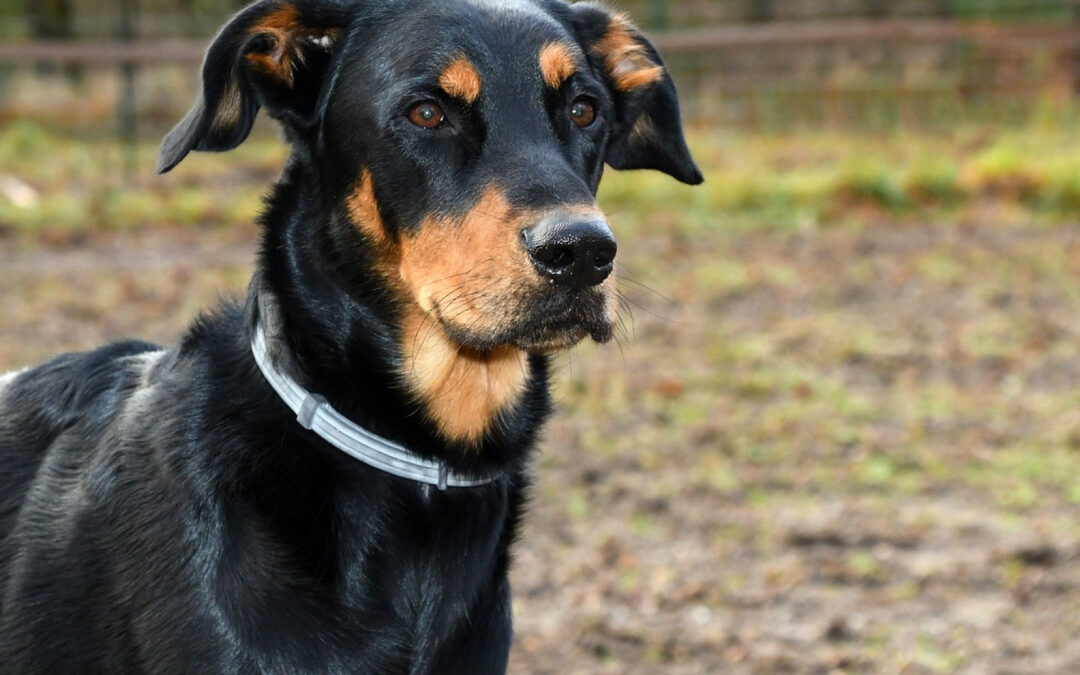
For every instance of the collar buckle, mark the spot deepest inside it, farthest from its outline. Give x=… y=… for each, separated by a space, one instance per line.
x=309 y=408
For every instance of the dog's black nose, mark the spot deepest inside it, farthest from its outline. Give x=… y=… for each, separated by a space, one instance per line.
x=571 y=252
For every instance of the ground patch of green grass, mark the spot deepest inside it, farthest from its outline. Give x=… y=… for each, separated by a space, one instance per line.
x=822 y=179
x=88 y=185
x=785 y=181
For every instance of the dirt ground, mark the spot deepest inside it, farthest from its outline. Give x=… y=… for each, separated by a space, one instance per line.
x=824 y=450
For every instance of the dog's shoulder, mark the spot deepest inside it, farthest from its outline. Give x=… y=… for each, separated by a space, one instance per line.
x=68 y=402
x=70 y=390
x=75 y=395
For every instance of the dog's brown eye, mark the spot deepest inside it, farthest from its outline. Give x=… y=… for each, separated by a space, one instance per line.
x=427 y=115
x=582 y=112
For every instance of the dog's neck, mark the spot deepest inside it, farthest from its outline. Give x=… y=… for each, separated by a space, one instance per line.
x=345 y=338
x=463 y=390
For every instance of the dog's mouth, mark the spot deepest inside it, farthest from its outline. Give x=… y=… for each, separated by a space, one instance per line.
x=547 y=325
x=553 y=332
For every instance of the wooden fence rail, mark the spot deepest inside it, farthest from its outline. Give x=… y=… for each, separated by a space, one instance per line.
x=915 y=31
x=990 y=34
x=103 y=53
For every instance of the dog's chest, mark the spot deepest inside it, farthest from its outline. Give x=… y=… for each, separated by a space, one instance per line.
x=411 y=574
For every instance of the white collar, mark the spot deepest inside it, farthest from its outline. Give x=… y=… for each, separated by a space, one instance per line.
x=315 y=414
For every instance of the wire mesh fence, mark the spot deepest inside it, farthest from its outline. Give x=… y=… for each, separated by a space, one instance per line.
x=748 y=63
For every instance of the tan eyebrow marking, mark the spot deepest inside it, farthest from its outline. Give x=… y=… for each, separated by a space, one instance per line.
x=461 y=80
x=556 y=63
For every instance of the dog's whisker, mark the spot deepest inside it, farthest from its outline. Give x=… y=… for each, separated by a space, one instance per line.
x=645 y=308
x=649 y=289
x=629 y=312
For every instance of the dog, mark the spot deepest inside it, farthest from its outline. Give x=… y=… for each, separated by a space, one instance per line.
x=327 y=476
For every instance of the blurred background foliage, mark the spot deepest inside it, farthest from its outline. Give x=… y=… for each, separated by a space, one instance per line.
x=840 y=431
x=769 y=64
x=977 y=99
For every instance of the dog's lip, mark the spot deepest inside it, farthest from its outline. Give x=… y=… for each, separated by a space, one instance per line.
x=551 y=334
x=566 y=322
x=545 y=336
x=544 y=330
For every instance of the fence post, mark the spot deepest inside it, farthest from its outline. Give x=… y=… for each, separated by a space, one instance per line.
x=1076 y=49
x=945 y=9
x=878 y=9
x=52 y=20
x=127 y=117
x=660 y=19
x=760 y=11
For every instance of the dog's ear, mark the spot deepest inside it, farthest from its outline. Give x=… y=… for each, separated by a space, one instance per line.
x=648 y=128
x=274 y=54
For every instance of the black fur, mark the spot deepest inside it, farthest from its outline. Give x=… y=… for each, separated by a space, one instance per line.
x=163 y=511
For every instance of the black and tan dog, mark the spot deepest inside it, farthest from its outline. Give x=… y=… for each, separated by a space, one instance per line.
x=341 y=496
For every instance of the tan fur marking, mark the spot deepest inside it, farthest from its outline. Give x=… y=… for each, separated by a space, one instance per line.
x=463 y=389
x=468 y=274
x=285 y=28
x=557 y=64
x=280 y=26
x=451 y=267
x=463 y=276
x=461 y=80
x=626 y=60
x=285 y=20
x=364 y=209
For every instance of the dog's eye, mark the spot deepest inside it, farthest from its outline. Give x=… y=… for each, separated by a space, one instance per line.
x=427 y=115
x=582 y=112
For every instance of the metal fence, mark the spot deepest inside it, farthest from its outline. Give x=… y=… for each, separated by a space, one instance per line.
x=754 y=63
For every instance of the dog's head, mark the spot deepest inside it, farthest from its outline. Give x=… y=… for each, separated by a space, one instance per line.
x=461 y=142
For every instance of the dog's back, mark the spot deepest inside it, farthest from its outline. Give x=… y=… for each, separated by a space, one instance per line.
x=51 y=420
x=55 y=482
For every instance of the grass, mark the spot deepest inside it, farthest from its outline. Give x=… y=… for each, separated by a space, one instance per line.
x=784 y=181
x=825 y=179
x=87 y=185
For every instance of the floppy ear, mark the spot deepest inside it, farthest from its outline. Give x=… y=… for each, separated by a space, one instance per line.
x=274 y=54
x=648 y=132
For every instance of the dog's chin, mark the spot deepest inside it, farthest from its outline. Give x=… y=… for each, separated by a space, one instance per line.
x=553 y=338
x=546 y=342
x=542 y=337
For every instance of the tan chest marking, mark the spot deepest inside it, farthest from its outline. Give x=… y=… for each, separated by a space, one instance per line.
x=462 y=389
